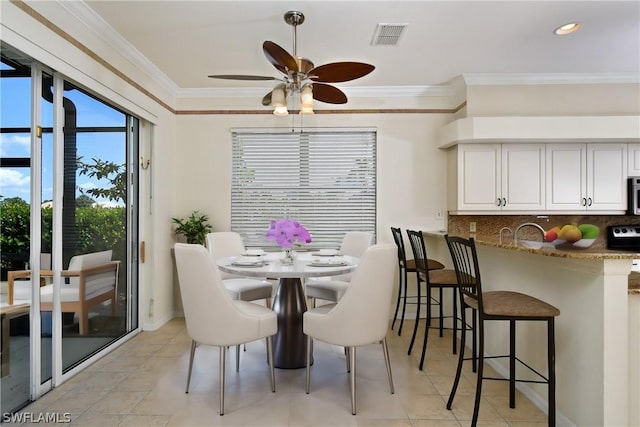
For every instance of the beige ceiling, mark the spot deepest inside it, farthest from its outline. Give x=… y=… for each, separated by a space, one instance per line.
x=188 y=40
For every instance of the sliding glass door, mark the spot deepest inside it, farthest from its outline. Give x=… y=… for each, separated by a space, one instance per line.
x=68 y=187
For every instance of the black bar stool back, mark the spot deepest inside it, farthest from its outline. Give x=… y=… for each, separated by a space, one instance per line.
x=406 y=266
x=433 y=279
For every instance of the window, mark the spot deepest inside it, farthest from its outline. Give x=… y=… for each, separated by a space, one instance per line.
x=324 y=179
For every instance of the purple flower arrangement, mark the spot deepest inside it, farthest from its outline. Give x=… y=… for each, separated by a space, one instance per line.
x=286 y=232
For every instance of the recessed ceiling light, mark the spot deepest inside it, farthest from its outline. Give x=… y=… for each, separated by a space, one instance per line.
x=567 y=29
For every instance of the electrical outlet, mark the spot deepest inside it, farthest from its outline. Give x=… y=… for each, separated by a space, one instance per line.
x=472 y=227
x=438 y=214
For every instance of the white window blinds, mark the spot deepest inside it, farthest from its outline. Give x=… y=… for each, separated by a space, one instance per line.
x=326 y=180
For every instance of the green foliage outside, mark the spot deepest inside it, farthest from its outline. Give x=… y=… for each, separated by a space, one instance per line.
x=112 y=172
x=14 y=226
x=98 y=229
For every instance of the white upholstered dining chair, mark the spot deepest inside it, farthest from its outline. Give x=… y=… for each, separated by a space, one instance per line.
x=223 y=244
x=212 y=317
x=350 y=322
x=354 y=243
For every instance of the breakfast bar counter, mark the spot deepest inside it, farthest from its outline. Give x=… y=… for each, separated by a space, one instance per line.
x=597 y=370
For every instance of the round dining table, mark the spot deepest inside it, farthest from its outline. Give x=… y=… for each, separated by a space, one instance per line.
x=289 y=302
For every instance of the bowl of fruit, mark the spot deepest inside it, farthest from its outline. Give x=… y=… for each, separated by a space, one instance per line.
x=572 y=236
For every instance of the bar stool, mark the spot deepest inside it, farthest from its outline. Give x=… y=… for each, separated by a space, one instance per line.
x=406 y=266
x=499 y=305
x=435 y=279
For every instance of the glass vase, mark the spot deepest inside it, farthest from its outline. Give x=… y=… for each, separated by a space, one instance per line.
x=289 y=257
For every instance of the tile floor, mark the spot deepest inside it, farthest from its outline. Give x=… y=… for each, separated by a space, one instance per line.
x=142 y=383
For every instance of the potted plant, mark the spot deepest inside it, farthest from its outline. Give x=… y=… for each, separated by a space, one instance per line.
x=194 y=228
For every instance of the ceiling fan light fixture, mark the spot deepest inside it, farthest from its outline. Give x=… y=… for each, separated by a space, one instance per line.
x=306 y=99
x=281 y=111
x=306 y=95
x=568 y=28
x=278 y=97
x=306 y=109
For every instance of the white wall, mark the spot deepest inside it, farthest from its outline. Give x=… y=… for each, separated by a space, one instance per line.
x=553 y=100
x=410 y=167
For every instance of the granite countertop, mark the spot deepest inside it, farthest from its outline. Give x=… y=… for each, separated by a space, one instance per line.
x=589 y=253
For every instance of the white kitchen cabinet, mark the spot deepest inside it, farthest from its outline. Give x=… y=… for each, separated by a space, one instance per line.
x=586 y=177
x=500 y=177
x=633 y=155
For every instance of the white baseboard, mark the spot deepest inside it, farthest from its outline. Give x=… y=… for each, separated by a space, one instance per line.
x=157 y=324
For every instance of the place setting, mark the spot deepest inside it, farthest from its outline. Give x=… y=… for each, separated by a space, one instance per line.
x=245 y=261
x=329 y=262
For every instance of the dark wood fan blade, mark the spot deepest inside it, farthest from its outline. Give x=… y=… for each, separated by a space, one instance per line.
x=241 y=77
x=328 y=94
x=280 y=58
x=340 y=72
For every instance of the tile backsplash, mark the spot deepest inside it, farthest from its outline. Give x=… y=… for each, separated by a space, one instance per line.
x=488 y=226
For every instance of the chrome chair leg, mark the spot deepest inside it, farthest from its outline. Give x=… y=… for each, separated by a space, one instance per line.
x=223 y=355
x=270 y=360
x=238 y=358
x=352 y=362
x=346 y=353
x=309 y=339
x=193 y=352
x=385 y=350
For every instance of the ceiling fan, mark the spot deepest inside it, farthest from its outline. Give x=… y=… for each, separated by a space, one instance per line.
x=300 y=75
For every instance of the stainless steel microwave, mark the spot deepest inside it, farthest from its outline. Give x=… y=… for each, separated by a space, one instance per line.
x=633 y=192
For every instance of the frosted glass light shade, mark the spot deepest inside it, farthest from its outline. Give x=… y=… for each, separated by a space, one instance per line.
x=281 y=111
x=278 y=97
x=306 y=95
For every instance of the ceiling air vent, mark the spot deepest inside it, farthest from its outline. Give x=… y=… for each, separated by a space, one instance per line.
x=387 y=34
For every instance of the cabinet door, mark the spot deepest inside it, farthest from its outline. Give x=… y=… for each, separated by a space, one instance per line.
x=566 y=177
x=523 y=176
x=606 y=176
x=478 y=177
x=633 y=160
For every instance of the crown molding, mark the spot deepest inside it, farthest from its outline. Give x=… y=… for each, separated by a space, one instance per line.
x=88 y=18
x=356 y=92
x=499 y=79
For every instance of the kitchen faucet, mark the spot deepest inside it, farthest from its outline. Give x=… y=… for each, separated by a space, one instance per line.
x=530 y=224
x=507 y=229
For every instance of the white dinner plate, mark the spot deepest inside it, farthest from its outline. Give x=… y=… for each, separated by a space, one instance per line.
x=326 y=252
x=254 y=252
x=240 y=263
x=328 y=264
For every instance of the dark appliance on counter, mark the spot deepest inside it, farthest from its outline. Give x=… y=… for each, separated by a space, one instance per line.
x=633 y=194
x=624 y=237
